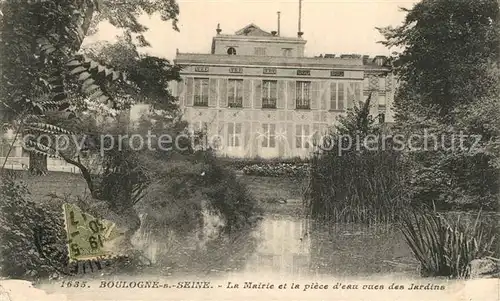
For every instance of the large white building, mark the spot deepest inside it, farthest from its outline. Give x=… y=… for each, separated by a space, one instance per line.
x=257 y=95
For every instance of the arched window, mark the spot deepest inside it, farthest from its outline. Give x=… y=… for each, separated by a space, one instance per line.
x=231 y=51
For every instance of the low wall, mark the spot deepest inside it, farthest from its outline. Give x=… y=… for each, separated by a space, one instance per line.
x=22 y=163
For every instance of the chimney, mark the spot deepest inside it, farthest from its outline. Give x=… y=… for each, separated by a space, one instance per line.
x=218 y=29
x=279 y=15
x=299 y=32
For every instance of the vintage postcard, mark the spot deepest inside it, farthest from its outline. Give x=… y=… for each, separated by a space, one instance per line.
x=249 y=150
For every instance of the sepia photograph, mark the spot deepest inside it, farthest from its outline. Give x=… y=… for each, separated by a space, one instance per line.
x=249 y=150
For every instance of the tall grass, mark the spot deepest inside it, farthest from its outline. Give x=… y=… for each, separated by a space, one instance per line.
x=352 y=183
x=444 y=246
x=362 y=188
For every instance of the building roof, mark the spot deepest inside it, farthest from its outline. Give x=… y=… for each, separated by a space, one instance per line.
x=252 y=30
x=219 y=59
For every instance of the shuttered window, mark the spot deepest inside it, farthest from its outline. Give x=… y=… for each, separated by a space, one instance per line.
x=269 y=94
x=235 y=93
x=201 y=92
x=303 y=95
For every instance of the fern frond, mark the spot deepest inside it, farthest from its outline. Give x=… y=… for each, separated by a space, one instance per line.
x=38 y=148
x=48 y=128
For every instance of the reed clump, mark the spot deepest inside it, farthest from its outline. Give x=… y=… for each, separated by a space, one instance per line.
x=355 y=182
x=446 y=246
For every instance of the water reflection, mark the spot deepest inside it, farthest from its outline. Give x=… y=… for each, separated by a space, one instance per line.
x=296 y=246
x=283 y=247
x=288 y=245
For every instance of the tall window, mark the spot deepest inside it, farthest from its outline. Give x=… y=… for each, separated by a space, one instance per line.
x=337 y=96
x=235 y=93
x=201 y=92
x=381 y=101
x=381 y=83
x=234 y=134
x=303 y=96
x=269 y=135
x=260 y=51
x=269 y=94
x=302 y=136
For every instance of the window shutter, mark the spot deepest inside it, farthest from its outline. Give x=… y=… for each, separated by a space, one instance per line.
x=246 y=137
x=247 y=93
x=189 y=92
x=211 y=129
x=280 y=140
x=373 y=85
x=254 y=141
x=281 y=94
x=257 y=99
x=223 y=92
x=316 y=134
x=181 y=89
x=290 y=139
x=315 y=95
x=290 y=95
x=351 y=95
x=222 y=135
x=212 y=92
x=324 y=95
x=358 y=92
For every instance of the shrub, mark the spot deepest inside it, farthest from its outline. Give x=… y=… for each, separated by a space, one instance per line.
x=228 y=196
x=184 y=185
x=33 y=238
x=446 y=247
x=32 y=235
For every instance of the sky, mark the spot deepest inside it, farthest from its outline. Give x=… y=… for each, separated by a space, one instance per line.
x=329 y=26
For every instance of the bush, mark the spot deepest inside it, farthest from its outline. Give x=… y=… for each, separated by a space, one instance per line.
x=33 y=238
x=228 y=196
x=185 y=185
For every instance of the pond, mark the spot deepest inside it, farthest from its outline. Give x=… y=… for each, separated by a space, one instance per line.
x=287 y=244
x=283 y=248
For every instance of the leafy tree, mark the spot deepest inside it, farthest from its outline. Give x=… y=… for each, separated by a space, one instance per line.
x=40 y=61
x=114 y=171
x=447 y=85
x=49 y=85
x=448 y=47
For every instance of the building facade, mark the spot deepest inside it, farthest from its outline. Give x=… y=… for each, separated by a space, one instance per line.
x=257 y=95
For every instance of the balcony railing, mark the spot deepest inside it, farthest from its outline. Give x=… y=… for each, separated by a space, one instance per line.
x=235 y=102
x=269 y=103
x=303 y=104
x=201 y=100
